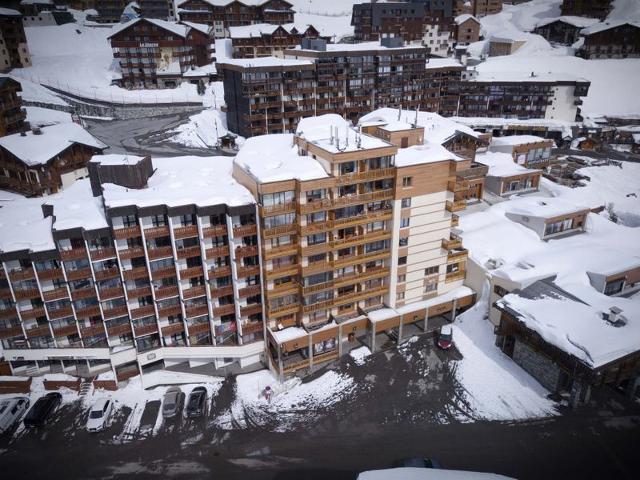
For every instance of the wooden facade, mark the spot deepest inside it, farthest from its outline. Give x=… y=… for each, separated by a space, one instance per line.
x=586 y=8
x=12 y=115
x=621 y=40
x=266 y=44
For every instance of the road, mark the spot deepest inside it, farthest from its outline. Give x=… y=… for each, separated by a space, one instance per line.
x=398 y=411
x=145 y=136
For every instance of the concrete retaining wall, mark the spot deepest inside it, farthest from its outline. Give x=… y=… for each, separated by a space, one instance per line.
x=539 y=366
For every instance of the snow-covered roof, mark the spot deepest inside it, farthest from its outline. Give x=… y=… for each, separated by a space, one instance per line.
x=224 y=3
x=264 y=62
x=575 y=326
x=9 y=12
x=525 y=76
x=409 y=473
x=290 y=333
x=602 y=26
x=23 y=226
x=259 y=29
x=116 y=159
x=274 y=158
x=429 y=152
x=502 y=164
x=580 y=22
x=76 y=207
x=514 y=140
x=176 y=28
x=36 y=2
x=198 y=26
x=460 y=19
x=543 y=207
x=35 y=149
x=359 y=47
x=317 y=130
x=437 y=129
x=176 y=181
x=442 y=63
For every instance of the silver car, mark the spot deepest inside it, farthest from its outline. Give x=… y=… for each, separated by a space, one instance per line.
x=11 y=409
x=172 y=402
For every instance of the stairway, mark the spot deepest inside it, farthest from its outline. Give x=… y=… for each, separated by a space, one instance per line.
x=86 y=386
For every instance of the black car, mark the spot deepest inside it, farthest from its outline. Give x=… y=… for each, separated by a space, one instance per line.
x=197 y=402
x=42 y=409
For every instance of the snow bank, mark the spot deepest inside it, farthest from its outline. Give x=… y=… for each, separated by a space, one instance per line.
x=360 y=355
x=203 y=130
x=410 y=473
x=166 y=377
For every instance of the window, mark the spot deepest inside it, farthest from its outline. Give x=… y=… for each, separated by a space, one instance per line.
x=129 y=221
x=431 y=271
x=158 y=220
x=406 y=202
x=402 y=278
x=430 y=287
x=402 y=261
x=404 y=222
x=316 y=238
x=407 y=181
x=400 y=296
x=500 y=291
x=404 y=241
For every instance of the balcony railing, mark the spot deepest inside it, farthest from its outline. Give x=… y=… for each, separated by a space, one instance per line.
x=245 y=230
x=92 y=330
x=107 y=273
x=91 y=311
x=281 y=251
x=138 y=272
x=347 y=200
x=172 y=329
x=32 y=313
x=55 y=294
x=224 y=310
x=197 y=310
x=102 y=253
x=117 y=330
x=118 y=311
x=457 y=255
x=127 y=232
x=145 y=329
x=246 y=251
x=50 y=274
x=155 y=232
x=59 y=313
x=252 y=327
x=26 y=293
x=165 y=272
x=455 y=206
x=218 y=272
x=451 y=243
x=143 y=311
x=38 y=331
x=192 y=292
x=65 y=331
x=248 y=271
x=166 y=292
x=455 y=276
x=22 y=274
x=214 y=231
x=79 y=274
x=282 y=310
x=8 y=332
x=159 y=252
x=250 y=309
x=249 y=291
x=185 y=232
x=133 y=252
x=191 y=272
x=221 y=291
x=219 y=251
x=73 y=254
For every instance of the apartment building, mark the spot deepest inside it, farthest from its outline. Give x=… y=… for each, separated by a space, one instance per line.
x=355 y=235
x=12 y=115
x=466 y=29
x=563 y=30
x=265 y=39
x=42 y=13
x=110 y=11
x=223 y=14
x=145 y=264
x=438 y=38
x=619 y=39
x=157 y=54
x=14 y=52
x=586 y=8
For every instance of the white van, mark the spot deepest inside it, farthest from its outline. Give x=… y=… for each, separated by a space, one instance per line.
x=11 y=409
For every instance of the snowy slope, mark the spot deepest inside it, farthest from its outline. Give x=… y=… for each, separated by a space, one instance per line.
x=325 y=7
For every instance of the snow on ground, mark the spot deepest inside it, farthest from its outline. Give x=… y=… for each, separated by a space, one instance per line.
x=608 y=184
x=496 y=388
x=203 y=130
x=360 y=355
x=78 y=59
x=324 y=7
x=34 y=92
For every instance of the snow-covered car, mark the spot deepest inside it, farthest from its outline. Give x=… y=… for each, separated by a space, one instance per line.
x=172 y=402
x=11 y=409
x=99 y=415
x=197 y=404
x=445 y=337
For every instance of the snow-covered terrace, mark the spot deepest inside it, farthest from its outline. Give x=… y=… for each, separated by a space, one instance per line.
x=502 y=164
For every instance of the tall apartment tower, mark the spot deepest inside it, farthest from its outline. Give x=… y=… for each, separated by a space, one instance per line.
x=14 y=52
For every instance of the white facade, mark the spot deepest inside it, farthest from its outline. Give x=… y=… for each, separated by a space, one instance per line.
x=438 y=41
x=563 y=104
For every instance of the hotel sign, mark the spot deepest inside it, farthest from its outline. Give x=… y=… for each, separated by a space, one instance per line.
x=149 y=45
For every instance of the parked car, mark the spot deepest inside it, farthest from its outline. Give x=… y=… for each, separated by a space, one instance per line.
x=172 y=402
x=99 y=414
x=11 y=409
x=445 y=337
x=42 y=410
x=197 y=403
x=417 y=463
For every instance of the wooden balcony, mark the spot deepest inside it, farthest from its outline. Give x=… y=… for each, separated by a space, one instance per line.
x=126 y=232
x=119 y=311
x=221 y=291
x=117 y=330
x=283 y=271
x=360 y=239
x=455 y=276
x=79 y=274
x=325 y=357
x=107 y=273
x=282 y=310
x=192 y=272
x=325 y=304
x=370 y=175
x=59 y=313
x=172 y=329
x=160 y=252
x=245 y=230
x=138 y=272
x=6 y=293
x=73 y=254
x=457 y=186
x=129 y=253
x=155 y=232
x=65 y=331
x=452 y=242
x=248 y=271
x=318 y=287
x=185 y=232
x=252 y=327
x=10 y=332
x=144 y=311
x=165 y=272
x=23 y=274
x=113 y=292
x=369 y=274
x=197 y=310
x=277 y=209
x=250 y=309
x=92 y=311
x=166 y=292
x=357 y=296
x=139 y=292
x=193 y=292
x=169 y=311
x=33 y=313
x=38 y=331
x=249 y=291
x=188 y=252
x=218 y=272
x=102 y=254
x=224 y=310
x=83 y=293
x=92 y=330
x=220 y=251
x=457 y=255
x=316 y=249
x=54 y=273
x=347 y=200
x=361 y=258
x=214 y=231
x=198 y=328
x=147 y=329
x=287 y=288
x=55 y=294
x=281 y=251
x=246 y=251
x=455 y=220
x=293 y=366
x=26 y=293
x=456 y=205
x=279 y=231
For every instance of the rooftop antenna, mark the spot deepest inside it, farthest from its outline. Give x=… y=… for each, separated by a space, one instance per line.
x=399 y=112
x=331 y=130
x=359 y=137
x=346 y=131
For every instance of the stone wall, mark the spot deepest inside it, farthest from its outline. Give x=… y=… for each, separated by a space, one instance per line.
x=538 y=365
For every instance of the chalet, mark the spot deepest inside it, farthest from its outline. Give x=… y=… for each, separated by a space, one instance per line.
x=618 y=277
x=110 y=11
x=505 y=178
x=156 y=53
x=627 y=138
x=568 y=345
x=586 y=8
x=563 y=30
x=549 y=217
x=499 y=46
x=586 y=143
x=527 y=150
x=265 y=39
x=46 y=160
x=619 y=39
x=223 y=14
x=466 y=29
x=12 y=115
